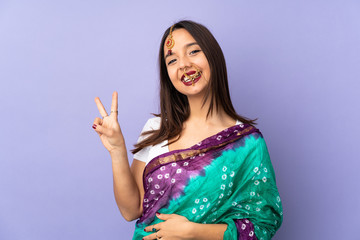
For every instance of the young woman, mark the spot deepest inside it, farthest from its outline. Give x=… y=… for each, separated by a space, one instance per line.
x=200 y=170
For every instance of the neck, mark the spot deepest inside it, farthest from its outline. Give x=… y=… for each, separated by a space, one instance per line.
x=198 y=112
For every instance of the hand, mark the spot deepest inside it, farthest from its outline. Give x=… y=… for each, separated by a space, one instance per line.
x=175 y=227
x=108 y=128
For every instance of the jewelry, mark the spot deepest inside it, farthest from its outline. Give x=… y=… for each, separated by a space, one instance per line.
x=193 y=76
x=170 y=41
x=110 y=113
x=154 y=230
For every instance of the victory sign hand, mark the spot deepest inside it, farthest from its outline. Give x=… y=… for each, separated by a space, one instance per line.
x=108 y=127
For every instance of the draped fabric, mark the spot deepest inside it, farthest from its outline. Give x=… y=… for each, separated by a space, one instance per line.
x=227 y=178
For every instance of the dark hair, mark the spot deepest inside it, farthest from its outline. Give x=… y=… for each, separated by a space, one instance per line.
x=174 y=105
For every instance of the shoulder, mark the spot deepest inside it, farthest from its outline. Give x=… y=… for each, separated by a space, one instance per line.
x=251 y=136
x=256 y=140
x=152 y=124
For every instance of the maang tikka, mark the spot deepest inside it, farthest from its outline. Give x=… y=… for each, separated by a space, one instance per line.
x=170 y=41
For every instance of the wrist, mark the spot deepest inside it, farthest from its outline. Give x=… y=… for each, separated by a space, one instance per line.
x=192 y=230
x=206 y=231
x=118 y=154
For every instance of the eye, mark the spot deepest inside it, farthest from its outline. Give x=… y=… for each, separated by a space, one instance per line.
x=171 y=61
x=194 y=51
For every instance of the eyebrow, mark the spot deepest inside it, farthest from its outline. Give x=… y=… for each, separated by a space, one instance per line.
x=186 y=46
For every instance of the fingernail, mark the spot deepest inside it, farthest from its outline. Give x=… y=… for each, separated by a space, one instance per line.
x=94 y=126
x=157 y=213
x=145 y=230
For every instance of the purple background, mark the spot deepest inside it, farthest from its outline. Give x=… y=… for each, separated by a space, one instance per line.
x=293 y=64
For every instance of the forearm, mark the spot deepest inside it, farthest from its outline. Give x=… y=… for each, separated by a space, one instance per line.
x=126 y=191
x=208 y=231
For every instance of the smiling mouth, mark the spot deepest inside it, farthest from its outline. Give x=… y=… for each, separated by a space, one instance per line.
x=191 y=77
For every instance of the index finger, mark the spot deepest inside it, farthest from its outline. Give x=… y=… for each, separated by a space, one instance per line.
x=114 y=103
x=101 y=108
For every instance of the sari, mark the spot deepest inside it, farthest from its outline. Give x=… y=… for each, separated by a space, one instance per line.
x=226 y=178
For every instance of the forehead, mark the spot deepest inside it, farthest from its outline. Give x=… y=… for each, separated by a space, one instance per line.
x=181 y=37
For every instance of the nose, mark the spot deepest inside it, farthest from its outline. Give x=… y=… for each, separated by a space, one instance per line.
x=184 y=63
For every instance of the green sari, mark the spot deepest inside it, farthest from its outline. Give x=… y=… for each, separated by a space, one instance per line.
x=227 y=178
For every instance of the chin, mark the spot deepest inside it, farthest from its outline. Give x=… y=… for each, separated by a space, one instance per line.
x=192 y=92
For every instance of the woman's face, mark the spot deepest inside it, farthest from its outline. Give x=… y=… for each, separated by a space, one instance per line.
x=187 y=66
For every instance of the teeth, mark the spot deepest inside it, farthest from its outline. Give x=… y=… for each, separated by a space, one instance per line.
x=191 y=77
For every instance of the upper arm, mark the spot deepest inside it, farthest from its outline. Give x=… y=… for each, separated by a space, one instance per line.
x=140 y=158
x=137 y=169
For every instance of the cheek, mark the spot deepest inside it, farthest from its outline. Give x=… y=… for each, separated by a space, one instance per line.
x=203 y=64
x=172 y=74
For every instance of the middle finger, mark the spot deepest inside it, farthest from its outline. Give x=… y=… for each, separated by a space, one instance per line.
x=152 y=228
x=114 y=104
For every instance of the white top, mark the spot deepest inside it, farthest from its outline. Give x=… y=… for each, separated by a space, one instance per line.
x=149 y=152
